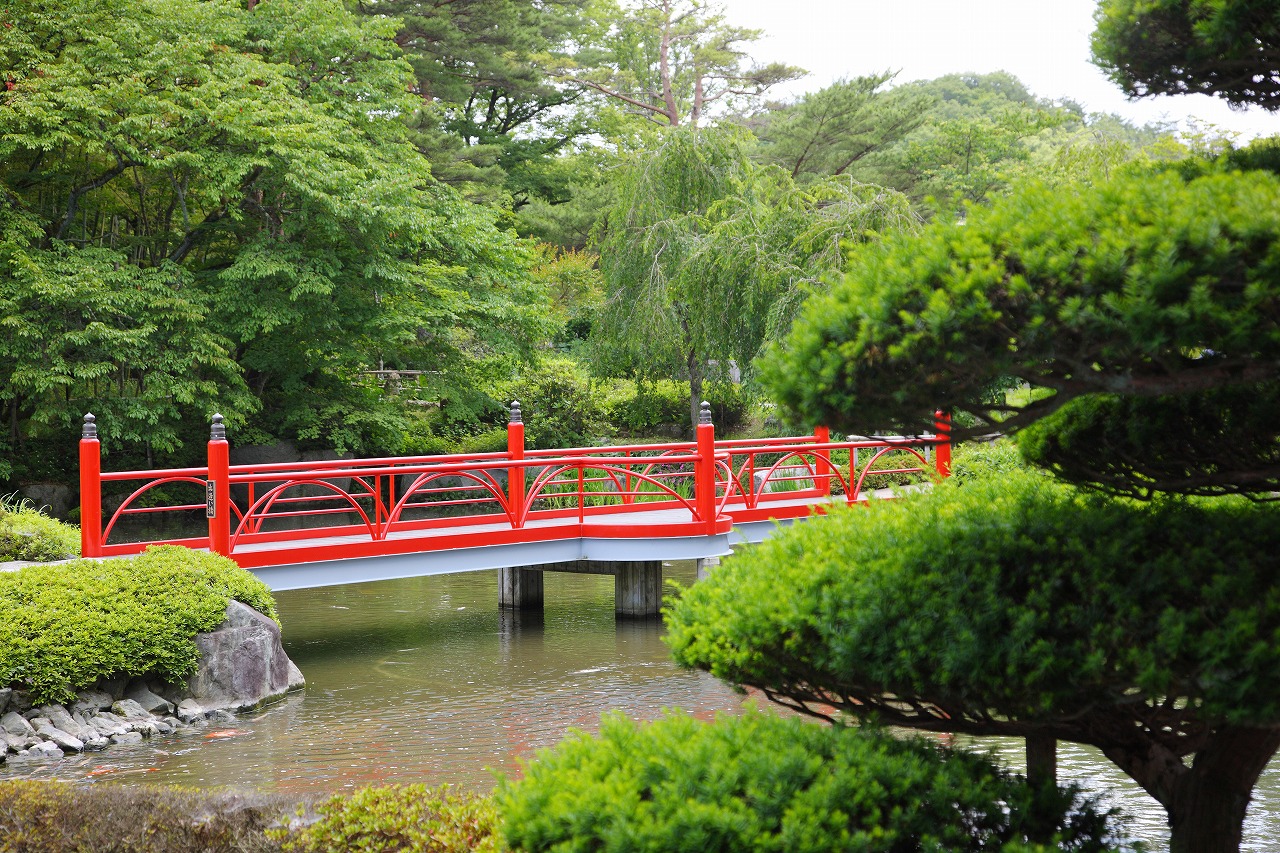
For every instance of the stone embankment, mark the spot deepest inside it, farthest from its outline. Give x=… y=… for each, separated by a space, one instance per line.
x=242 y=667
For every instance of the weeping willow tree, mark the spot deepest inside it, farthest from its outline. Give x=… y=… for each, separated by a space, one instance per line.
x=706 y=255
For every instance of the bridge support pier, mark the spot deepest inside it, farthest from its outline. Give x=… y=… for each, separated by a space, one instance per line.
x=705 y=565
x=637 y=588
x=519 y=588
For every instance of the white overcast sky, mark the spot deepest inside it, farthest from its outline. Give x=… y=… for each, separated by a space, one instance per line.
x=1045 y=43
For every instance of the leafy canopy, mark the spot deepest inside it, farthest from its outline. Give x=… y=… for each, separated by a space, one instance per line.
x=764 y=783
x=1150 y=294
x=1227 y=48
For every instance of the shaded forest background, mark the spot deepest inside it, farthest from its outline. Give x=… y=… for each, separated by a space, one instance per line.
x=365 y=227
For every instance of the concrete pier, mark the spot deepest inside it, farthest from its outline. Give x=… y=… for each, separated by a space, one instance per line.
x=637 y=584
x=520 y=588
x=637 y=589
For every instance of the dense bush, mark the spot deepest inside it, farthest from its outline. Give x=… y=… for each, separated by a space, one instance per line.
x=395 y=818
x=641 y=407
x=55 y=817
x=765 y=783
x=985 y=460
x=28 y=534
x=559 y=406
x=67 y=625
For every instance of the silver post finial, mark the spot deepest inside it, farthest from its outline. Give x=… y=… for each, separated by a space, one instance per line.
x=90 y=428
x=704 y=415
x=217 y=432
x=515 y=413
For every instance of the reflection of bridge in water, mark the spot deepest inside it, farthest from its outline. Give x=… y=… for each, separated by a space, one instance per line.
x=617 y=510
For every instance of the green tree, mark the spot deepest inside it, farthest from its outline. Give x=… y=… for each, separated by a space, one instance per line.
x=1018 y=607
x=249 y=170
x=1141 y=305
x=1142 y=302
x=705 y=255
x=676 y=61
x=492 y=118
x=977 y=137
x=826 y=132
x=769 y=784
x=1227 y=48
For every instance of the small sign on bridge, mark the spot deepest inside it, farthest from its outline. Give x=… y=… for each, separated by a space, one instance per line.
x=210 y=502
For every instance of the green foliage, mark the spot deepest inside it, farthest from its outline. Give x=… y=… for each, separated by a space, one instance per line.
x=826 y=132
x=398 y=818
x=1216 y=47
x=674 y=62
x=764 y=783
x=55 y=817
x=26 y=533
x=560 y=408
x=1051 y=607
x=237 y=220
x=493 y=117
x=641 y=407
x=705 y=255
x=68 y=625
x=986 y=460
x=1154 y=284
x=979 y=134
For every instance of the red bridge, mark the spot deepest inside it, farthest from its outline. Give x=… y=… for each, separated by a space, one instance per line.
x=310 y=524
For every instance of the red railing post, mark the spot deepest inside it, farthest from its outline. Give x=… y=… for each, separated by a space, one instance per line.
x=515 y=474
x=90 y=489
x=218 y=489
x=942 y=450
x=704 y=481
x=822 y=435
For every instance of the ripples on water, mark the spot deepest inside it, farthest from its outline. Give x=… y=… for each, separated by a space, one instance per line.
x=425 y=680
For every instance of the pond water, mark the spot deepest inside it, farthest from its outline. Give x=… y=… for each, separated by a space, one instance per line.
x=426 y=680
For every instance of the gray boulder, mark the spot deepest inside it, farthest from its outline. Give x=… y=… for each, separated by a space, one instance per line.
x=130 y=710
x=148 y=701
x=92 y=700
x=45 y=749
x=242 y=664
x=109 y=724
x=5 y=692
x=58 y=716
x=189 y=710
x=127 y=737
x=16 y=724
x=65 y=741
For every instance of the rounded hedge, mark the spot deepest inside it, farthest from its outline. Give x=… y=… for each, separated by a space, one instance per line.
x=766 y=783
x=66 y=625
x=398 y=817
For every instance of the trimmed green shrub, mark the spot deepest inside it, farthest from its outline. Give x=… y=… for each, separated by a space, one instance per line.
x=55 y=817
x=28 y=534
x=766 y=783
x=559 y=406
x=67 y=625
x=641 y=407
x=396 y=818
x=986 y=460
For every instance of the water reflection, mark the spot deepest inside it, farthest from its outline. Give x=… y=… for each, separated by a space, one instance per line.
x=426 y=680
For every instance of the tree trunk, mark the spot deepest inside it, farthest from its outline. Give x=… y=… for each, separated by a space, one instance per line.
x=1042 y=777
x=1207 y=809
x=695 y=387
x=664 y=70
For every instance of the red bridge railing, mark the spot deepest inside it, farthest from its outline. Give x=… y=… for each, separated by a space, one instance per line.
x=279 y=513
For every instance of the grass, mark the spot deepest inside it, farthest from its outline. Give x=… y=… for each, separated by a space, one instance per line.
x=26 y=533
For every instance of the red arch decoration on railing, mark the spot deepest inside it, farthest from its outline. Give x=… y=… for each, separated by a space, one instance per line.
x=121 y=510
x=269 y=498
x=866 y=472
x=489 y=483
x=550 y=473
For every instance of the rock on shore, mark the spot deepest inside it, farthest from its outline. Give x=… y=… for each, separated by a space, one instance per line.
x=242 y=667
